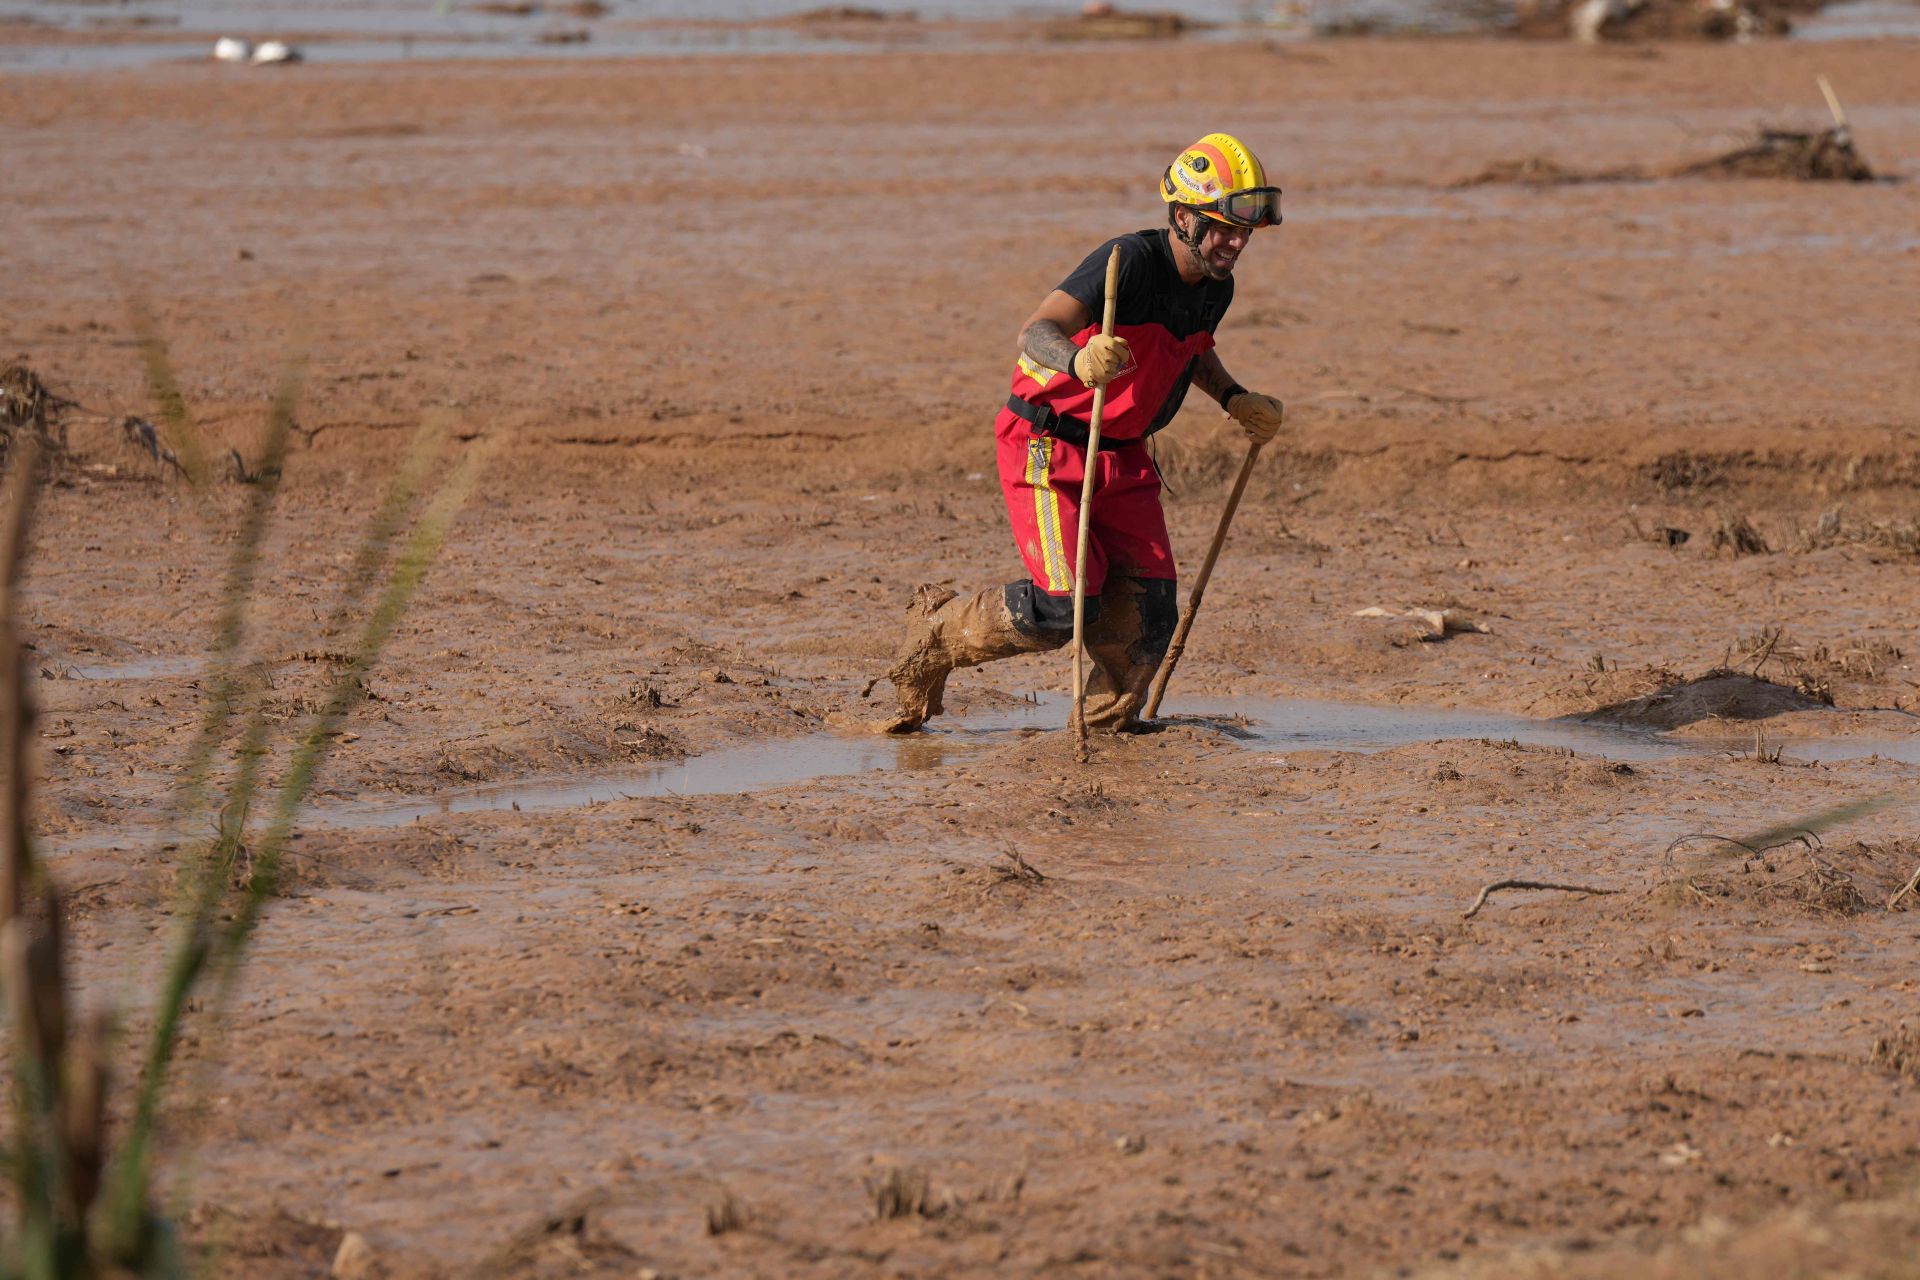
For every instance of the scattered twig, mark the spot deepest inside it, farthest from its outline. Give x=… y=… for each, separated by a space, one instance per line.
x=1913 y=882
x=1498 y=885
x=1014 y=868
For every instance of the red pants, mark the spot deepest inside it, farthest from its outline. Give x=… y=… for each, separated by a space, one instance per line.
x=1041 y=478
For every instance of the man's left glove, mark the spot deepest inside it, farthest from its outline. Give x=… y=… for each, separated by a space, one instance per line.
x=1260 y=415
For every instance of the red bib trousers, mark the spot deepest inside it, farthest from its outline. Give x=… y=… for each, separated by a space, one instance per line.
x=1041 y=477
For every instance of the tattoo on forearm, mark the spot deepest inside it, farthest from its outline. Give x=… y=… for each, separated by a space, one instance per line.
x=1048 y=344
x=1211 y=378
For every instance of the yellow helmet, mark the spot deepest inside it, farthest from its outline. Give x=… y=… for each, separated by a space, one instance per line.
x=1219 y=177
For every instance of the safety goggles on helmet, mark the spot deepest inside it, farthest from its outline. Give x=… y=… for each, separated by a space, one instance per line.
x=1254 y=207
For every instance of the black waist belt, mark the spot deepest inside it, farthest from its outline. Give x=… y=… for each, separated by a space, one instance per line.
x=1060 y=426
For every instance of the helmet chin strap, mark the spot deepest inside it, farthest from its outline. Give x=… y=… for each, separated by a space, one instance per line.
x=1192 y=240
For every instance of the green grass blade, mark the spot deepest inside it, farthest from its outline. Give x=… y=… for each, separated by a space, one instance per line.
x=188 y=964
x=126 y=1200
x=409 y=571
x=164 y=388
x=236 y=593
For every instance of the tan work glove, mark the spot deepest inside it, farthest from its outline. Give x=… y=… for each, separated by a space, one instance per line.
x=1101 y=360
x=1260 y=415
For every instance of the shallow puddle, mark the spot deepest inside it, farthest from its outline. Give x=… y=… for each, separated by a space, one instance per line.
x=152 y=667
x=741 y=769
x=1310 y=724
x=1266 y=724
x=1282 y=724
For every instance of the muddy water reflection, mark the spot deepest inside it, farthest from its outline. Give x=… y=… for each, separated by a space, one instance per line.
x=1262 y=724
x=1307 y=724
x=775 y=764
x=1298 y=724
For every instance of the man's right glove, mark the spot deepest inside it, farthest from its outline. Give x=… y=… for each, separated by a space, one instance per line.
x=1101 y=360
x=1260 y=415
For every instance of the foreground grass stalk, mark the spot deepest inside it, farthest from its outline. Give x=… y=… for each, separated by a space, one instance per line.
x=202 y=944
x=206 y=881
x=237 y=592
x=164 y=387
x=59 y=1067
x=77 y=1214
x=349 y=686
x=1822 y=821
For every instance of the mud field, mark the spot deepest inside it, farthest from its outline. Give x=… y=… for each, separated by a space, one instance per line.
x=582 y=972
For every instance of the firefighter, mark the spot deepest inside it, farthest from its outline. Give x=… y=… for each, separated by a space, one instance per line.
x=1176 y=283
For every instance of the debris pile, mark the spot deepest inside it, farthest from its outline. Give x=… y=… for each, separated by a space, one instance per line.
x=1101 y=21
x=1825 y=156
x=1594 y=21
x=27 y=405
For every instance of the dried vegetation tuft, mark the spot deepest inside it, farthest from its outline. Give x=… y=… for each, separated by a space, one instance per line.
x=726 y=1214
x=1899 y=1052
x=1798 y=873
x=1834 y=529
x=906 y=1191
x=1736 y=537
x=27 y=406
x=1814 y=670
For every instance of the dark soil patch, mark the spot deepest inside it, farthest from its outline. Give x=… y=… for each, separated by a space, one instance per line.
x=1718 y=695
x=1545 y=171
x=1827 y=156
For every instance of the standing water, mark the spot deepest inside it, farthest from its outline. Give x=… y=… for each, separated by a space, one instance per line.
x=134 y=32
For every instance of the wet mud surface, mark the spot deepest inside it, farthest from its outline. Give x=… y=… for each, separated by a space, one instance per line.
x=957 y=1005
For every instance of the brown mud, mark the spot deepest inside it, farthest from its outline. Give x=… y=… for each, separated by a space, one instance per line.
x=1207 y=1008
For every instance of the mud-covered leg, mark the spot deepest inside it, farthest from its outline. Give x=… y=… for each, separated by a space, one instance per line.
x=946 y=632
x=1126 y=643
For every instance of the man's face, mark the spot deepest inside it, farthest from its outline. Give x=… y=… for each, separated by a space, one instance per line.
x=1218 y=247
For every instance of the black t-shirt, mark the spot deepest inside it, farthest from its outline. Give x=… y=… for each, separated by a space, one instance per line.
x=1151 y=290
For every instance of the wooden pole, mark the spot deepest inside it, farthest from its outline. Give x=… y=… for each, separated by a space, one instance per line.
x=1179 y=645
x=1086 y=514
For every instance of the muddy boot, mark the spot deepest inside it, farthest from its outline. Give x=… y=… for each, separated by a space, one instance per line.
x=946 y=632
x=1137 y=617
